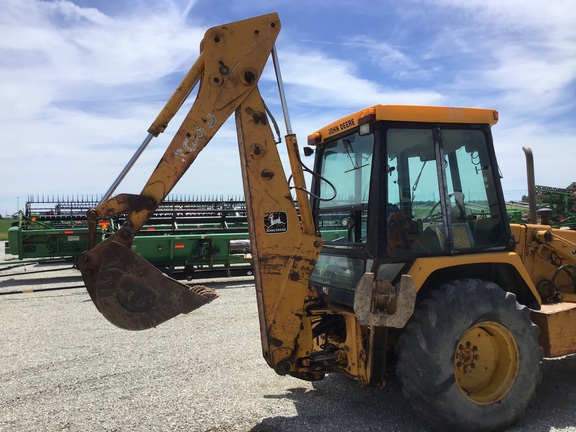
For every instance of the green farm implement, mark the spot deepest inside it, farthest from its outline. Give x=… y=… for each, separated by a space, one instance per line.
x=184 y=237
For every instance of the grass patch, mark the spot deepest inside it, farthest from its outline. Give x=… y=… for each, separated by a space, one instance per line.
x=4 y=225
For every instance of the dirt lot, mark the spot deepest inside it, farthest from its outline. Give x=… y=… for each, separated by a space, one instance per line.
x=65 y=368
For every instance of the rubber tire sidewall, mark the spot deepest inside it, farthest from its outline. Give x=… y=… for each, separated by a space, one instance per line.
x=426 y=353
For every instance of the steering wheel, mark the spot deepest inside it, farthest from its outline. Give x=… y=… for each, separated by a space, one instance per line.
x=433 y=217
x=437 y=217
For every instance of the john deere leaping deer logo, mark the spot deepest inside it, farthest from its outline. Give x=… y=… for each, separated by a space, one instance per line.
x=275 y=222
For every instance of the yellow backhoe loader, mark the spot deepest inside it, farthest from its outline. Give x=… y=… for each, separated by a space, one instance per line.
x=400 y=256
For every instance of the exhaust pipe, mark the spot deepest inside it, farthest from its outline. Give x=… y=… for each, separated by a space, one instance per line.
x=531 y=184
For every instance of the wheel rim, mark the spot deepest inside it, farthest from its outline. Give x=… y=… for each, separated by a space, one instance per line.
x=486 y=362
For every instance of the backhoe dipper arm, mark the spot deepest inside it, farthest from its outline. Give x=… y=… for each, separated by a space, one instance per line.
x=232 y=58
x=133 y=294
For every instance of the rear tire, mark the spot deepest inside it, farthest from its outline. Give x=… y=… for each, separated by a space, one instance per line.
x=469 y=357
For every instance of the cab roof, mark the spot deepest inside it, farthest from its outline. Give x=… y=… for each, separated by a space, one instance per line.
x=408 y=113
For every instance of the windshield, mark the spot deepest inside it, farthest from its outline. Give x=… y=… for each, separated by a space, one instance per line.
x=347 y=165
x=342 y=213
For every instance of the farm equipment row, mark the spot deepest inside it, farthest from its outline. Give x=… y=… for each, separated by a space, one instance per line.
x=561 y=202
x=188 y=234
x=557 y=207
x=185 y=237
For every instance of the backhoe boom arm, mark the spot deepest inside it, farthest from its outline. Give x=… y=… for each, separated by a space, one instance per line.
x=132 y=293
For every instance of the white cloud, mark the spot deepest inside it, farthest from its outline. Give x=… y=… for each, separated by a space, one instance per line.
x=57 y=52
x=321 y=80
x=79 y=89
x=519 y=14
x=538 y=86
x=523 y=53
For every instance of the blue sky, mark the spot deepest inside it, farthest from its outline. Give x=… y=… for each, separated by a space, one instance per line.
x=81 y=81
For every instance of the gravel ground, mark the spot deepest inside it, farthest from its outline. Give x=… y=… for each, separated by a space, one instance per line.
x=65 y=368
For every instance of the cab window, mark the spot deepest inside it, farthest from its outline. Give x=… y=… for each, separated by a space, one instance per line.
x=346 y=167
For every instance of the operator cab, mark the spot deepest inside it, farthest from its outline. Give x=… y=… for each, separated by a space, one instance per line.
x=400 y=182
